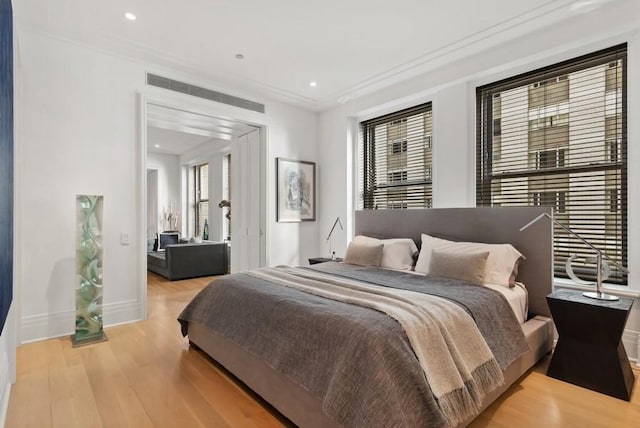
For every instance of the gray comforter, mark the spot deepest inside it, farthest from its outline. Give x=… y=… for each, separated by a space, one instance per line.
x=357 y=361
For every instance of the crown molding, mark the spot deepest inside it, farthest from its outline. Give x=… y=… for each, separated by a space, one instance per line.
x=551 y=12
x=177 y=66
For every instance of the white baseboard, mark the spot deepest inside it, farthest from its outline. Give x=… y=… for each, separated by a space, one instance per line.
x=631 y=341
x=4 y=403
x=5 y=387
x=46 y=326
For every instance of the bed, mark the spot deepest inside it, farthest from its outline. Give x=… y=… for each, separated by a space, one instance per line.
x=322 y=361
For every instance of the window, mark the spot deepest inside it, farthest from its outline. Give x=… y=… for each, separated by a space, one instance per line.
x=226 y=195
x=614 y=200
x=553 y=158
x=190 y=211
x=612 y=149
x=398 y=147
x=201 y=175
x=395 y=160
x=394 y=205
x=562 y=143
x=557 y=200
x=397 y=176
x=497 y=128
x=427 y=141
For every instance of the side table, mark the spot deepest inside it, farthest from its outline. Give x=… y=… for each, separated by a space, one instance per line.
x=316 y=260
x=589 y=352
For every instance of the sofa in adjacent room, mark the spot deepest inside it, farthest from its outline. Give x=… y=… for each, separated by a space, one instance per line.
x=191 y=260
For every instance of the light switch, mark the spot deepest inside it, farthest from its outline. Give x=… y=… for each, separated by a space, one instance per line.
x=124 y=238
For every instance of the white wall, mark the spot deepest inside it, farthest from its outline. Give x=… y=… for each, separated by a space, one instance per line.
x=7 y=361
x=168 y=167
x=452 y=90
x=80 y=110
x=290 y=243
x=5 y=383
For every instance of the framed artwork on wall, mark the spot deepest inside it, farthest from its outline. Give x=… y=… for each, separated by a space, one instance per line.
x=295 y=190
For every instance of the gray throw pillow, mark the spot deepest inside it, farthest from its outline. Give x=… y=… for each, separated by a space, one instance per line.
x=469 y=267
x=364 y=253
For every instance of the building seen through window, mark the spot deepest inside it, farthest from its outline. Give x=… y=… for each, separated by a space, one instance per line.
x=557 y=137
x=396 y=160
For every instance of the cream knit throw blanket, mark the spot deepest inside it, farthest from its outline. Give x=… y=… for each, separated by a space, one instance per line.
x=454 y=356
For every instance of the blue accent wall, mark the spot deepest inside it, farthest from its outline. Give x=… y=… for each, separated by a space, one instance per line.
x=6 y=159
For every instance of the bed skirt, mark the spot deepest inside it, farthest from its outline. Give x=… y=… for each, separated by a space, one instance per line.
x=303 y=409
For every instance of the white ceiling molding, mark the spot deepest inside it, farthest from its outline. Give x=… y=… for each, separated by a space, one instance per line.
x=551 y=13
x=178 y=131
x=350 y=48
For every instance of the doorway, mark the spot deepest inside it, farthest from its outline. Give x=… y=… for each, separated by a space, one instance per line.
x=201 y=133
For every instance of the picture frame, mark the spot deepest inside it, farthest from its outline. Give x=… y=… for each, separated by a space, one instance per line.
x=295 y=190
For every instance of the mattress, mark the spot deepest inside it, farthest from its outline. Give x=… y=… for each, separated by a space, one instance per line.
x=516 y=297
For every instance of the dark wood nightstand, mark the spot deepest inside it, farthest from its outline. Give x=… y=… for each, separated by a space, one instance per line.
x=589 y=352
x=316 y=260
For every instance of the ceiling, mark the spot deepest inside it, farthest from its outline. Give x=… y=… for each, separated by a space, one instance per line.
x=172 y=142
x=349 y=48
x=173 y=131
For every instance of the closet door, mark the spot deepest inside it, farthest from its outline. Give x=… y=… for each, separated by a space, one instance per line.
x=247 y=240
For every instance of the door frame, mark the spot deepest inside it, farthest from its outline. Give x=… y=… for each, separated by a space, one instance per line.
x=196 y=105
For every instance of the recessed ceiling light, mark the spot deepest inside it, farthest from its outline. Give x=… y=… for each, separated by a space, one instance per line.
x=313 y=84
x=157 y=146
x=239 y=56
x=130 y=16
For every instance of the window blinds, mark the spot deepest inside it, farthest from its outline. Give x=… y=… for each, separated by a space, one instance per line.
x=558 y=137
x=226 y=195
x=395 y=160
x=202 y=196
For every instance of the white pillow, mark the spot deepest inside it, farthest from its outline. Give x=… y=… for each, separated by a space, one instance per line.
x=363 y=253
x=397 y=253
x=469 y=267
x=502 y=263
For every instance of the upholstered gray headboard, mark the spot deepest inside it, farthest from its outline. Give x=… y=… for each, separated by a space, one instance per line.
x=493 y=225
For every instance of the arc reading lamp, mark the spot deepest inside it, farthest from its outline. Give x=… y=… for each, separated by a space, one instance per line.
x=335 y=223
x=598 y=294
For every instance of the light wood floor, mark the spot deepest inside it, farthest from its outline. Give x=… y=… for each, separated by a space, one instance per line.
x=146 y=375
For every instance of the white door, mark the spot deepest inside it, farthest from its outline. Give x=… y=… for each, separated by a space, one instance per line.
x=246 y=211
x=152 y=203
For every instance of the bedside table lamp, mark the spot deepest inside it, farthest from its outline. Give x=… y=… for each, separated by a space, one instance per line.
x=335 y=223
x=598 y=294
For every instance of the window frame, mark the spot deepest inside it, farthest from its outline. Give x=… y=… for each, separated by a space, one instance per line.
x=226 y=195
x=616 y=161
x=197 y=193
x=409 y=184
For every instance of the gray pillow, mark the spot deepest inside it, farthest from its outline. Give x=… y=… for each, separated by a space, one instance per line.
x=364 y=253
x=469 y=267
